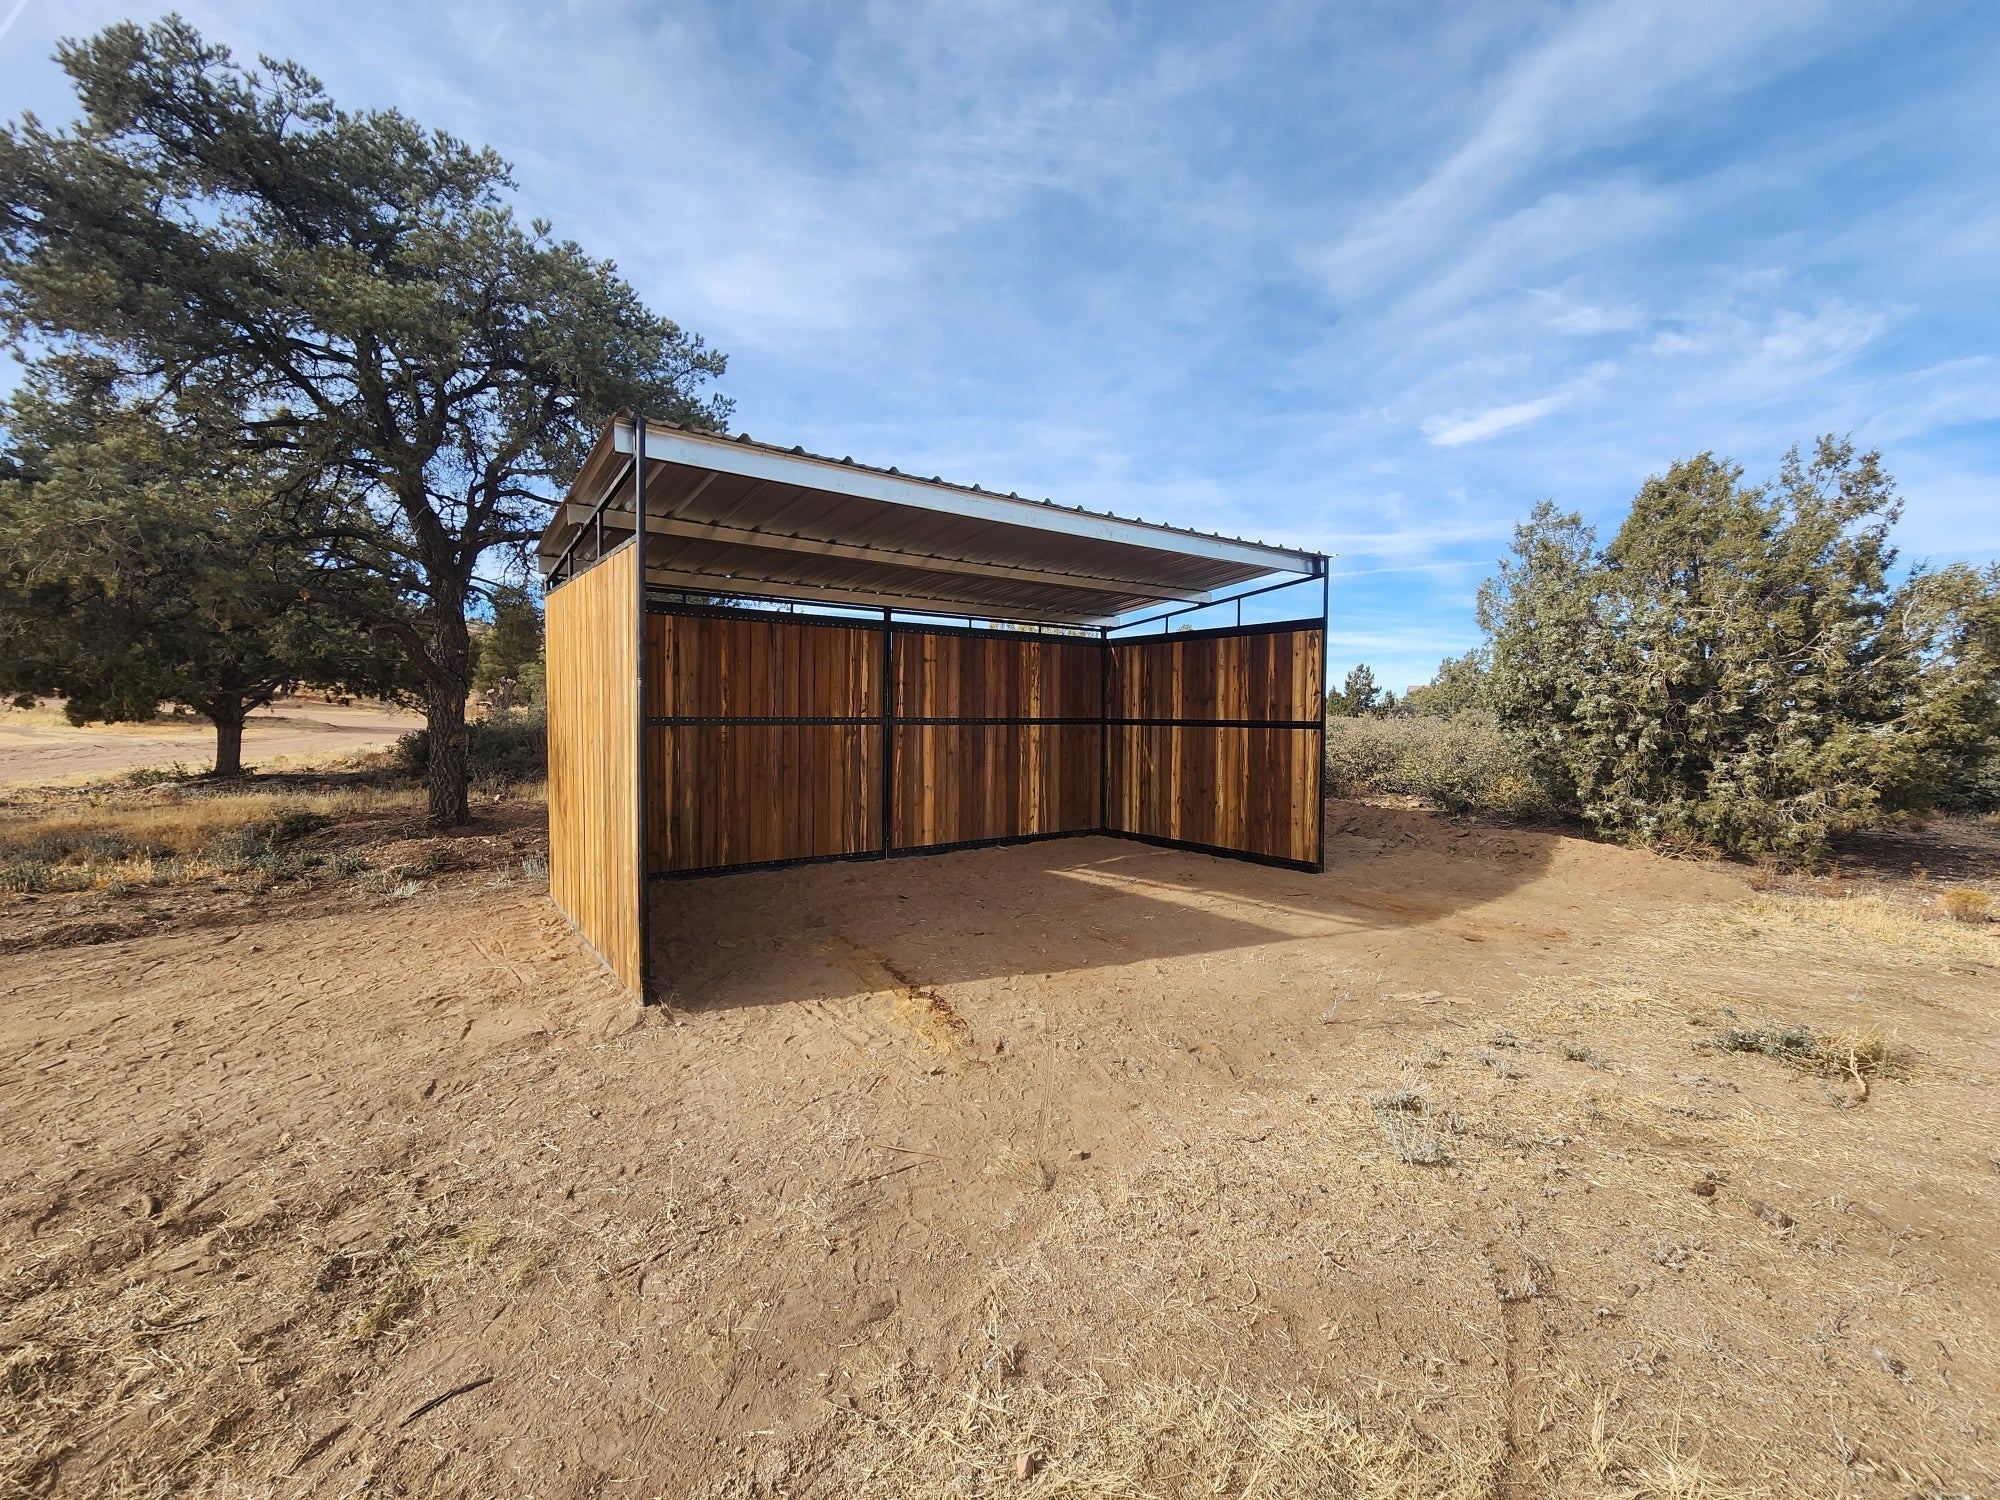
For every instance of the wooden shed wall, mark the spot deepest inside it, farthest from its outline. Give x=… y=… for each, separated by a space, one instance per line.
x=766 y=739
x=1216 y=740
x=592 y=625
x=730 y=785
x=996 y=737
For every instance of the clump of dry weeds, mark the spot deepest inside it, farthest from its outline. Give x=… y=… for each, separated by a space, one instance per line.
x=932 y=1023
x=1855 y=1054
x=1963 y=904
x=1024 y=1169
x=1411 y=1119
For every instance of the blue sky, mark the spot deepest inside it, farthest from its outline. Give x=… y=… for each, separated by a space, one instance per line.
x=1370 y=278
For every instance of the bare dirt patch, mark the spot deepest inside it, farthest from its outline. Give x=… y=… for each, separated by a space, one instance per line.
x=39 y=746
x=1078 y=1168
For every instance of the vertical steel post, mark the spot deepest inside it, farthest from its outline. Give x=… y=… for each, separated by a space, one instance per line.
x=1103 y=730
x=888 y=696
x=639 y=686
x=1325 y=628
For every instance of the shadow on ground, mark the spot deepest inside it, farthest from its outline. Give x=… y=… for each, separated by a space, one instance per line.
x=812 y=932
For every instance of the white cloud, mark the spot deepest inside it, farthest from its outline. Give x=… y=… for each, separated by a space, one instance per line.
x=1455 y=431
x=1451 y=432
x=1753 y=348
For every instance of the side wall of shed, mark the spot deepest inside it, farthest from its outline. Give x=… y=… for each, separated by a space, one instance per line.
x=592 y=642
x=1216 y=741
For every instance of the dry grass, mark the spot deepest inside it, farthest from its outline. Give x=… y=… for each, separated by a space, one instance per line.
x=1965 y=905
x=141 y=1308
x=931 y=1022
x=47 y=713
x=168 y=836
x=1863 y=922
x=1024 y=1169
x=1411 y=1120
x=179 y=822
x=1079 y=1436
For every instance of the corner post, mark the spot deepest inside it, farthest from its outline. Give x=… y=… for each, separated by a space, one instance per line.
x=639 y=658
x=1319 y=739
x=1103 y=729
x=888 y=707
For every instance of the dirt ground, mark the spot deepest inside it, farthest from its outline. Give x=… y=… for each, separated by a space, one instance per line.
x=1073 y=1168
x=39 y=745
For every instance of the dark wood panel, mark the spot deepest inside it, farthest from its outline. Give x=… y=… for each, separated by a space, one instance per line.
x=941 y=676
x=1275 y=675
x=959 y=783
x=768 y=666
x=592 y=627
x=1254 y=790
x=748 y=794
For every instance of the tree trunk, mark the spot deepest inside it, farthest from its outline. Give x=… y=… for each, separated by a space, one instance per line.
x=444 y=719
x=228 y=740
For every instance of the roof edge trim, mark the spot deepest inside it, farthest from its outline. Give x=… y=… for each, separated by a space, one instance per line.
x=754 y=461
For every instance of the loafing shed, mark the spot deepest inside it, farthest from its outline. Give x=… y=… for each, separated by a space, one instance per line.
x=793 y=658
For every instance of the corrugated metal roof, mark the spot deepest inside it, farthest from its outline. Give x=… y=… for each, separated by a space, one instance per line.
x=731 y=515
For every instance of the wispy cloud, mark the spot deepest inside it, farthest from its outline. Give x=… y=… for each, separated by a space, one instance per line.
x=1451 y=432
x=1592 y=82
x=1455 y=431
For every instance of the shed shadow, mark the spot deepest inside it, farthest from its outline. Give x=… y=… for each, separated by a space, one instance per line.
x=823 y=931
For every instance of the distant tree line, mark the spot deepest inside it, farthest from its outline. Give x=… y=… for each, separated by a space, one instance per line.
x=300 y=390
x=1737 y=668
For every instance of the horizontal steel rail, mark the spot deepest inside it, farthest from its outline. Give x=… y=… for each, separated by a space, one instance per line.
x=1222 y=603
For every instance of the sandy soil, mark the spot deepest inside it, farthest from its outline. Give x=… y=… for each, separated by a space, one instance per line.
x=38 y=746
x=1073 y=1168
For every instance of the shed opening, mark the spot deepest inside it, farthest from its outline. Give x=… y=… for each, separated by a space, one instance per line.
x=759 y=657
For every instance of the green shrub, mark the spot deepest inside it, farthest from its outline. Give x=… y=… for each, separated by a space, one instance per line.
x=293 y=823
x=1462 y=763
x=1738 y=667
x=259 y=849
x=26 y=875
x=501 y=749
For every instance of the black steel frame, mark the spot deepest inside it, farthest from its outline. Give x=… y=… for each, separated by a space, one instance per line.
x=653 y=600
x=640 y=800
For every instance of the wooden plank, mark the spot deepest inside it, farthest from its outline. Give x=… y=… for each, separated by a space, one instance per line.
x=756 y=793
x=591 y=636
x=715 y=667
